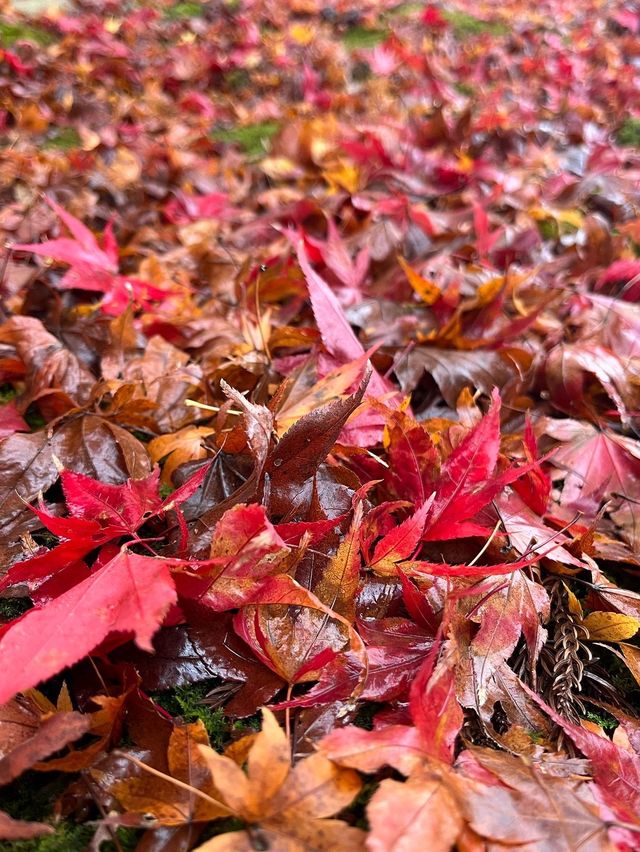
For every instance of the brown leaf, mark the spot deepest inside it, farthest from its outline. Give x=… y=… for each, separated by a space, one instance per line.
x=27 y=468
x=454 y=370
x=167 y=378
x=190 y=798
x=26 y=736
x=93 y=446
x=293 y=462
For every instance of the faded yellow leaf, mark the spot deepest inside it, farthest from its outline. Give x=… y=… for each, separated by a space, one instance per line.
x=125 y=169
x=181 y=446
x=610 y=626
x=632 y=659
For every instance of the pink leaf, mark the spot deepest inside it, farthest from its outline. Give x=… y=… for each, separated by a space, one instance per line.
x=337 y=335
x=68 y=251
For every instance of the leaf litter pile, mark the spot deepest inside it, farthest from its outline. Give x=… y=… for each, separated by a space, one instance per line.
x=320 y=449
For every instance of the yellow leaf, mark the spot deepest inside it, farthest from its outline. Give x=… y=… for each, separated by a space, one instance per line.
x=465 y=162
x=343 y=176
x=490 y=290
x=570 y=218
x=301 y=34
x=427 y=290
x=574 y=604
x=610 y=626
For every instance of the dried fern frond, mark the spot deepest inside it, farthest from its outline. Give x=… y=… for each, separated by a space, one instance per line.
x=565 y=655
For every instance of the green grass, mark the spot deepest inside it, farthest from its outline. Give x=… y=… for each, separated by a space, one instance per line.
x=464 y=89
x=186 y=10
x=359 y=37
x=403 y=9
x=63 y=139
x=253 y=138
x=465 y=25
x=11 y=33
x=629 y=134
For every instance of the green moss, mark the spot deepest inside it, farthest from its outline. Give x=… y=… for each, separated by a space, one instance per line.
x=63 y=139
x=186 y=702
x=10 y=33
x=248 y=724
x=7 y=393
x=237 y=78
x=128 y=839
x=465 y=25
x=31 y=798
x=629 y=133
x=221 y=826
x=548 y=229
x=11 y=608
x=165 y=490
x=357 y=37
x=182 y=11
x=464 y=89
x=71 y=837
x=404 y=9
x=253 y=138
x=602 y=718
x=68 y=837
x=620 y=676
x=356 y=813
x=365 y=714
x=34 y=418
